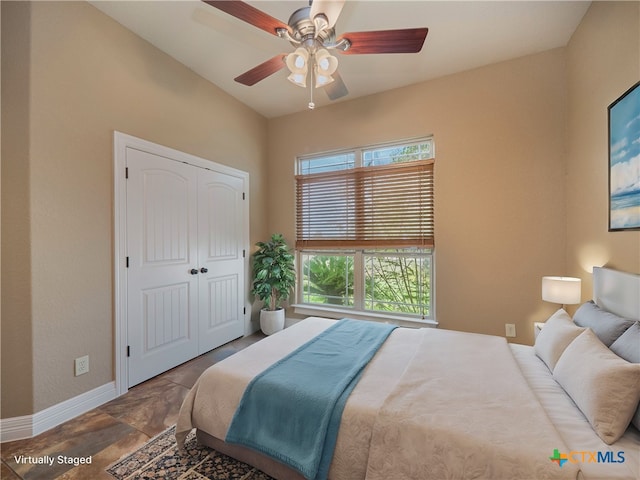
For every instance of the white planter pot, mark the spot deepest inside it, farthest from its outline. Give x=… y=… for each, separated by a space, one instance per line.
x=271 y=321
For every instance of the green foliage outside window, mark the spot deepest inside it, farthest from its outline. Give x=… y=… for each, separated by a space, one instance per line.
x=328 y=279
x=397 y=284
x=392 y=283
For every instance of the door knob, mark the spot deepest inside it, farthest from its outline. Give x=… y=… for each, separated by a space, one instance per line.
x=204 y=270
x=193 y=271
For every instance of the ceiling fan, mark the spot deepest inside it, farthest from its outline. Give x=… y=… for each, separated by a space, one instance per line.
x=311 y=30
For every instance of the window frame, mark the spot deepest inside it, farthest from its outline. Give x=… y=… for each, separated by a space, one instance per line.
x=359 y=253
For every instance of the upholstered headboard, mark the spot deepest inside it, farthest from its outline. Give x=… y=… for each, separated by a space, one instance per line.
x=617 y=292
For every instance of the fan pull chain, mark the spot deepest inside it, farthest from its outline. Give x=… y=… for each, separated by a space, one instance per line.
x=312 y=64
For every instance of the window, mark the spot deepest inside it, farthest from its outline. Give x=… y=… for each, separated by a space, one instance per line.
x=365 y=229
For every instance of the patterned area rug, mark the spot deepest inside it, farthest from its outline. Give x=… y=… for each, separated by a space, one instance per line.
x=160 y=458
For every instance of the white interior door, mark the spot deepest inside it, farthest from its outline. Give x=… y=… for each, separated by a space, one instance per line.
x=162 y=246
x=174 y=215
x=220 y=257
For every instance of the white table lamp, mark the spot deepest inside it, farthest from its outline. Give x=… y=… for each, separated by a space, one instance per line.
x=562 y=290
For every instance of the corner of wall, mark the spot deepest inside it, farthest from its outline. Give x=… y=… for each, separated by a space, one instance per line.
x=17 y=350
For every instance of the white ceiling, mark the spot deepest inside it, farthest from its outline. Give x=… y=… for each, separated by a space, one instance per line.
x=462 y=35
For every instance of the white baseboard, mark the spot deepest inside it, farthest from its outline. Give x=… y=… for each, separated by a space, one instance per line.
x=27 y=426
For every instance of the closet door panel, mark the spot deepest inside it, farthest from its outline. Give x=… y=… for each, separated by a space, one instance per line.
x=162 y=249
x=220 y=227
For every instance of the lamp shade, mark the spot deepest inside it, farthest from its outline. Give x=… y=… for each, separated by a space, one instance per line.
x=322 y=80
x=297 y=61
x=563 y=290
x=325 y=62
x=298 y=79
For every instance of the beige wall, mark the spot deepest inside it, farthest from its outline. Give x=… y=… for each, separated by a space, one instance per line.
x=500 y=148
x=77 y=76
x=16 y=333
x=603 y=62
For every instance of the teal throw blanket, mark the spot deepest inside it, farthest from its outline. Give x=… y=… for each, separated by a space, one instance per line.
x=291 y=412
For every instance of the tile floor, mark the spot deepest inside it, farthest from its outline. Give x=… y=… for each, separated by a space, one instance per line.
x=118 y=427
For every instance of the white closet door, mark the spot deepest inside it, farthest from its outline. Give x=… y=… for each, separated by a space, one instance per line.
x=221 y=262
x=162 y=248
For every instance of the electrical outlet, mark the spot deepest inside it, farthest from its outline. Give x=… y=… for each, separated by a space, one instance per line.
x=82 y=365
x=510 y=329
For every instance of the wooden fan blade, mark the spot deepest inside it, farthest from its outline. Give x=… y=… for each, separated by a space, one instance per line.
x=337 y=88
x=408 y=40
x=330 y=8
x=262 y=71
x=249 y=14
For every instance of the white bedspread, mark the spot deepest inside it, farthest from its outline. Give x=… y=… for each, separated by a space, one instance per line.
x=463 y=410
x=431 y=404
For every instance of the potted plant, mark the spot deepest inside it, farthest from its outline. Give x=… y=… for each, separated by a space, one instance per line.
x=274 y=277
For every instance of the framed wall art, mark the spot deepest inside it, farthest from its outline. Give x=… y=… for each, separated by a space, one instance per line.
x=624 y=161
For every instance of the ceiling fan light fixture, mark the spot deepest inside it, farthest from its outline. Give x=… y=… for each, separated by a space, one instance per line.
x=326 y=63
x=297 y=62
x=299 y=79
x=322 y=80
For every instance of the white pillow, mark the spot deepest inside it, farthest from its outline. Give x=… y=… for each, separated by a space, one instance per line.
x=627 y=346
x=605 y=387
x=557 y=332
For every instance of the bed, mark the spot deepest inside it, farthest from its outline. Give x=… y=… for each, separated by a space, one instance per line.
x=438 y=404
